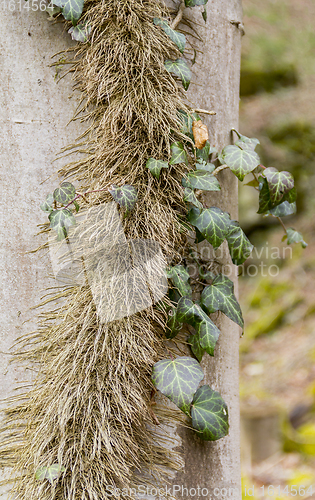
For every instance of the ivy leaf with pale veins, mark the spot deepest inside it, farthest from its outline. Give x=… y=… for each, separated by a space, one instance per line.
x=266 y=204
x=205 y=152
x=247 y=143
x=80 y=32
x=125 y=195
x=219 y=296
x=50 y=473
x=59 y=3
x=239 y=245
x=179 y=154
x=181 y=69
x=178 y=38
x=202 y=179
x=195 y=347
x=193 y=3
x=179 y=276
x=208 y=334
x=155 y=166
x=189 y=312
x=212 y=223
x=241 y=162
x=72 y=10
x=186 y=123
x=178 y=380
x=190 y=197
x=60 y=221
x=65 y=193
x=47 y=205
x=202 y=165
x=209 y=414
x=173 y=326
x=279 y=183
x=295 y=237
x=285 y=208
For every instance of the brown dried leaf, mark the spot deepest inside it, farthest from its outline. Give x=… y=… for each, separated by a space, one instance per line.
x=200 y=133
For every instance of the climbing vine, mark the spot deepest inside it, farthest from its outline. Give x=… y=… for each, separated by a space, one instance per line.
x=178 y=379
x=198 y=164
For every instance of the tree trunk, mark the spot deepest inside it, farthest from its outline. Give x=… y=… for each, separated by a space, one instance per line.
x=35 y=112
x=215 y=86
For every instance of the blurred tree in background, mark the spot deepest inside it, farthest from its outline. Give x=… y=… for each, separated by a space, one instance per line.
x=278 y=347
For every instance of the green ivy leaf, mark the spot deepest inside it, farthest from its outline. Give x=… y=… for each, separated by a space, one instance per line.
x=265 y=203
x=212 y=223
x=204 y=14
x=80 y=32
x=285 y=208
x=239 y=245
x=241 y=162
x=126 y=196
x=65 y=193
x=253 y=183
x=47 y=205
x=202 y=165
x=178 y=380
x=199 y=237
x=179 y=154
x=205 y=152
x=178 y=38
x=247 y=143
x=186 y=123
x=180 y=279
x=295 y=237
x=72 y=10
x=195 y=347
x=155 y=166
x=52 y=11
x=59 y=3
x=219 y=296
x=208 y=334
x=190 y=197
x=60 y=221
x=181 y=69
x=202 y=179
x=51 y=473
x=279 y=183
x=193 y=3
x=209 y=414
x=189 y=312
x=173 y=326
x=76 y=206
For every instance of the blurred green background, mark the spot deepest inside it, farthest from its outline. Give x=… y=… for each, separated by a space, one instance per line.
x=278 y=347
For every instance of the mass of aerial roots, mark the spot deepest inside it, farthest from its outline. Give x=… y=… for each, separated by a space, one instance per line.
x=90 y=407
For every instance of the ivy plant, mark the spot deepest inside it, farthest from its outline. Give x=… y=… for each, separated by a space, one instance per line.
x=179 y=379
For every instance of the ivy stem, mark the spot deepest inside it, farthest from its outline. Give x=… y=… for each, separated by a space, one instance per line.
x=204 y=111
x=282 y=224
x=170 y=354
x=218 y=169
x=234 y=130
x=154 y=417
x=83 y=195
x=179 y=16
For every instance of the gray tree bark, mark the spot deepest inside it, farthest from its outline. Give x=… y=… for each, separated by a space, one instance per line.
x=34 y=114
x=215 y=86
